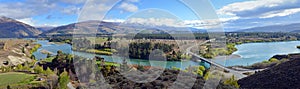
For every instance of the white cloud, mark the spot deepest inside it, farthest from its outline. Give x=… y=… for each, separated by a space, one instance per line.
x=28 y=21
x=50 y=25
x=256 y=8
x=14 y=12
x=281 y=13
x=128 y=7
x=257 y=13
x=95 y=9
x=71 y=10
x=114 y=20
x=204 y=24
x=73 y=1
x=133 y=0
x=229 y=19
x=156 y=22
x=32 y=22
x=29 y=8
x=26 y=9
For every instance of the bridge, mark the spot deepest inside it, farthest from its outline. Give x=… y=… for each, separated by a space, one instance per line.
x=237 y=74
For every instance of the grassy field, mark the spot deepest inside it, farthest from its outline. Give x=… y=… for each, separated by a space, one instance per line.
x=97 y=40
x=100 y=52
x=15 y=78
x=109 y=63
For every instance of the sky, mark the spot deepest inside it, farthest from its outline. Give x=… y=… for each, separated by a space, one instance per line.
x=233 y=14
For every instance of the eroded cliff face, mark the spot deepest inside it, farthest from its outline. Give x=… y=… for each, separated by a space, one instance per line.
x=16 y=51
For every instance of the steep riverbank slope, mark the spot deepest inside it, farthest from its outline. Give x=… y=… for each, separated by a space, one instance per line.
x=16 y=51
x=282 y=76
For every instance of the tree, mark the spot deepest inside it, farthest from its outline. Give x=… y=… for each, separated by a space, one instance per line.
x=48 y=71
x=59 y=58
x=23 y=50
x=298 y=47
x=69 y=57
x=8 y=87
x=202 y=68
x=38 y=69
x=59 y=52
x=206 y=76
x=48 y=55
x=33 y=57
x=63 y=80
x=109 y=38
x=200 y=73
x=273 y=60
x=20 y=67
x=208 y=55
x=26 y=67
x=7 y=69
x=232 y=81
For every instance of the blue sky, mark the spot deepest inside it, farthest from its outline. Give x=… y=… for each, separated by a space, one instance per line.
x=234 y=14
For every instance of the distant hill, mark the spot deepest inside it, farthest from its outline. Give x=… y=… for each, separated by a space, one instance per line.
x=275 y=28
x=44 y=29
x=114 y=27
x=282 y=76
x=82 y=27
x=10 y=28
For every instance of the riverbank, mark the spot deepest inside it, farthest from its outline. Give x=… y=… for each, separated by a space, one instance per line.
x=247 y=54
x=251 y=53
x=232 y=47
x=99 y=52
x=17 y=51
x=66 y=48
x=273 y=61
x=232 y=56
x=281 y=76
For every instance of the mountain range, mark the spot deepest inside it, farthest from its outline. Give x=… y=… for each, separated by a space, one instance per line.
x=295 y=27
x=100 y=27
x=44 y=29
x=11 y=28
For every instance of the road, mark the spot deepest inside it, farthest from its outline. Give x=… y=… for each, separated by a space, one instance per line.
x=237 y=74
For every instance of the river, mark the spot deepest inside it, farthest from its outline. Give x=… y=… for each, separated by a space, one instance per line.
x=250 y=53
x=257 y=52
x=66 y=48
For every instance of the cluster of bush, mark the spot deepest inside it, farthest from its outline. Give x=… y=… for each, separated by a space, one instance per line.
x=142 y=50
x=267 y=63
x=212 y=52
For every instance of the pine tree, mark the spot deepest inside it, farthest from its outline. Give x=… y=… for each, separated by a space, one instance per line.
x=63 y=80
x=23 y=50
x=48 y=55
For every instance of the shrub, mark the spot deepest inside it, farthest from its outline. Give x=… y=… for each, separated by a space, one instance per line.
x=273 y=60
x=63 y=80
x=48 y=71
x=298 y=47
x=232 y=81
x=38 y=69
x=200 y=73
x=202 y=68
x=207 y=75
